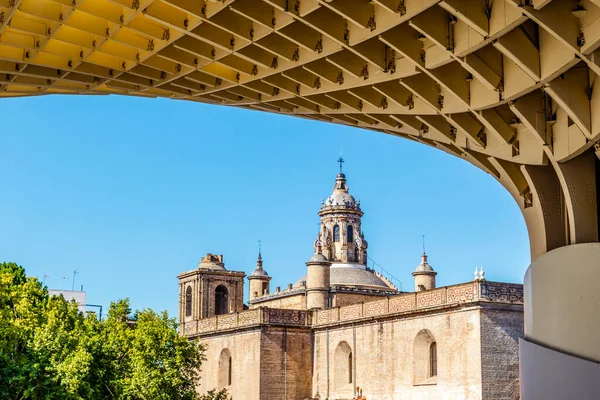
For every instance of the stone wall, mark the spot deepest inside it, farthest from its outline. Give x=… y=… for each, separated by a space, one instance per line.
x=340 y=299
x=295 y=354
x=271 y=358
x=383 y=357
x=286 y=363
x=500 y=333
x=244 y=348
x=296 y=301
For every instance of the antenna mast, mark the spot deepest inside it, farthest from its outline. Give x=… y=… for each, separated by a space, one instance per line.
x=74 y=273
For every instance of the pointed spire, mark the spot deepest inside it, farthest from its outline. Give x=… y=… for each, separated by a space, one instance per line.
x=424 y=267
x=259 y=272
x=424 y=255
x=259 y=261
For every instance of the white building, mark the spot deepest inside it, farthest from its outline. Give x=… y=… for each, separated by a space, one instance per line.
x=78 y=296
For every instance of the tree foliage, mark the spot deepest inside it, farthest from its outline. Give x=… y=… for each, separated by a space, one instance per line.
x=216 y=395
x=49 y=350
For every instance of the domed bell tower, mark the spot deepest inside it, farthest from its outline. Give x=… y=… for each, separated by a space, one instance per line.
x=342 y=238
x=424 y=275
x=259 y=280
x=318 y=279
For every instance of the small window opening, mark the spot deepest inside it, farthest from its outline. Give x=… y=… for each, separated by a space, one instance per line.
x=221 y=300
x=188 y=301
x=229 y=372
x=350 y=368
x=433 y=359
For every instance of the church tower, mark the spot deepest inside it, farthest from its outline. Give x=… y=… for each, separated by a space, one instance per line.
x=341 y=234
x=318 y=280
x=424 y=275
x=211 y=289
x=259 y=280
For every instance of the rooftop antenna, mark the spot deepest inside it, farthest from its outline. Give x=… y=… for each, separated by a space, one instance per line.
x=341 y=161
x=63 y=278
x=74 y=273
x=44 y=280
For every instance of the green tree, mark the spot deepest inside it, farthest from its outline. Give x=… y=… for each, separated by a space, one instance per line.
x=214 y=395
x=49 y=350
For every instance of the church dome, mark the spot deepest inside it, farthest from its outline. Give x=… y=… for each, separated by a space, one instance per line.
x=351 y=275
x=424 y=266
x=340 y=195
x=259 y=271
x=340 y=199
x=318 y=257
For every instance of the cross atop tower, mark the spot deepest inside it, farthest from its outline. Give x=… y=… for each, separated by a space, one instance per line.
x=341 y=161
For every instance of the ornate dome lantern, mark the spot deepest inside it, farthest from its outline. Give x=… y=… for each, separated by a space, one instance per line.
x=341 y=233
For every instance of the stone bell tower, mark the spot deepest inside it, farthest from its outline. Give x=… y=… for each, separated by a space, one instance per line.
x=318 y=280
x=341 y=233
x=210 y=290
x=259 y=280
x=424 y=275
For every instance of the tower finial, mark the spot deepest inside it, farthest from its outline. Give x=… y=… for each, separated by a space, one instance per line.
x=259 y=260
x=341 y=161
x=423 y=238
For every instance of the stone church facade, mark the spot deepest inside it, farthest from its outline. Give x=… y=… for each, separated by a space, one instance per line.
x=343 y=331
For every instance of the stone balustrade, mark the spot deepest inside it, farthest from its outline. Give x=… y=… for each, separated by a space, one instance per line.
x=449 y=295
x=257 y=316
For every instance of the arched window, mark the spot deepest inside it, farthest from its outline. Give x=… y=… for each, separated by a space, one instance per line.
x=343 y=371
x=350 y=234
x=221 y=300
x=336 y=233
x=350 y=368
x=225 y=369
x=425 y=358
x=433 y=359
x=188 y=301
x=229 y=371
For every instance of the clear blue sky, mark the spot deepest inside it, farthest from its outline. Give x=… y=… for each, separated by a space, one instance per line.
x=133 y=191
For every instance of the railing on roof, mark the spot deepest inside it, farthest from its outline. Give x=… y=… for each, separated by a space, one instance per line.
x=385 y=275
x=257 y=316
x=497 y=292
x=449 y=295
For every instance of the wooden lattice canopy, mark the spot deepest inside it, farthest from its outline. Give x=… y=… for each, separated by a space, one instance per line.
x=506 y=84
